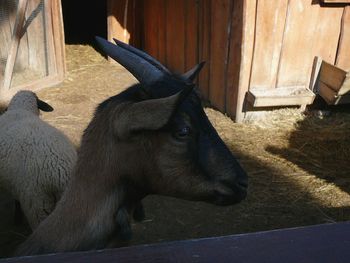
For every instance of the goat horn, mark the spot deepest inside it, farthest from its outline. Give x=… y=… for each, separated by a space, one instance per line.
x=144 y=71
x=192 y=73
x=142 y=54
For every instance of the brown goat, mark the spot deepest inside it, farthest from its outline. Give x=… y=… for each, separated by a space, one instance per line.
x=153 y=138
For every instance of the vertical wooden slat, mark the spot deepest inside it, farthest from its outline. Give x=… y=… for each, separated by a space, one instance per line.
x=161 y=7
x=6 y=31
x=49 y=36
x=191 y=40
x=116 y=20
x=36 y=37
x=154 y=29
x=220 y=12
x=151 y=28
x=270 y=23
x=343 y=56
x=234 y=63
x=204 y=27
x=248 y=32
x=134 y=21
x=58 y=33
x=175 y=35
x=310 y=31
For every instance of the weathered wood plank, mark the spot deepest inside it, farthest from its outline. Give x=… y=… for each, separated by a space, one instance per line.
x=249 y=11
x=117 y=19
x=191 y=37
x=161 y=16
x=234 y=60
x=175 y=35
x=58 y=34
x=343 y=56
x=204 y=36
x=310 y=31
x=50 y=58
x=36 y=35
x=151 y=27
x=219 y=46
x=312 y=244
x=270 y=23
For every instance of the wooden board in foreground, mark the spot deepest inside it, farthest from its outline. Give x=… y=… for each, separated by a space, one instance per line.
x=319 y=243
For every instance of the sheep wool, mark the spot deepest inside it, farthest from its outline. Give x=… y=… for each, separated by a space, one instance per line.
x=36 y=159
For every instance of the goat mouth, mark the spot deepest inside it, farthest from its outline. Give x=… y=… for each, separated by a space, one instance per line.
x=229 y=195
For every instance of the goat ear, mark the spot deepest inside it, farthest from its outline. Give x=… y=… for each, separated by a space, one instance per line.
x=42 y=105
x=192 y=73
x=151 y=114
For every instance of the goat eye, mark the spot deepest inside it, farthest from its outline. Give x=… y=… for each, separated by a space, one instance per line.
x=184 y=131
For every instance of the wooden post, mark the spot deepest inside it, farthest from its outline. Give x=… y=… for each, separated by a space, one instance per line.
x=247 y=50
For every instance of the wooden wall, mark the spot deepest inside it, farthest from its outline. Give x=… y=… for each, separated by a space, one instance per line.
x=247 y=43
x=183 y=33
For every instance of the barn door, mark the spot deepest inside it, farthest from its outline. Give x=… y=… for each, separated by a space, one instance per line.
x=32 y=45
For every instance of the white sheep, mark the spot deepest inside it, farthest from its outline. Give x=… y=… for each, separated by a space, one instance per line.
x=36 y=159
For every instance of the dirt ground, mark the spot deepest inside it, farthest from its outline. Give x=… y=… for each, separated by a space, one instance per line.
x=298 y=165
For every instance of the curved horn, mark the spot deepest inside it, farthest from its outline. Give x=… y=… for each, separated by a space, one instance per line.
x=142 y=54
x=192 y=73
x=144 y=71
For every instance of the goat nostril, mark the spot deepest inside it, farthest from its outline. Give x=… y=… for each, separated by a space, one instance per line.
x=243 y=184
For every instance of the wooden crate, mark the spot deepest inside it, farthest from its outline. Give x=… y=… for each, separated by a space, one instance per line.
x=333 y=84
x=32 y=52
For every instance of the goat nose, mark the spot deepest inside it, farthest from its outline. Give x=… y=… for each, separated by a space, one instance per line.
x=242 y=180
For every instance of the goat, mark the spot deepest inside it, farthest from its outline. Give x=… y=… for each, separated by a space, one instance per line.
x=152 y=138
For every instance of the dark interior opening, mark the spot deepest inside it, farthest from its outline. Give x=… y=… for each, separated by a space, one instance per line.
x=83 y=20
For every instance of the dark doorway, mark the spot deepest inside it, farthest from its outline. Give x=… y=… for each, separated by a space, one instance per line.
x=83 y=20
